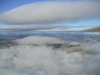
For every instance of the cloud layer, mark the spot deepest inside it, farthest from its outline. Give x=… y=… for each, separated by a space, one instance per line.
x=26 y=59
x=38 y=40
x=52 y=11
x=29 y=27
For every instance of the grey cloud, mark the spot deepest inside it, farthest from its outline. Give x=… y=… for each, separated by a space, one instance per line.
x=52 y=11
x=29 y=27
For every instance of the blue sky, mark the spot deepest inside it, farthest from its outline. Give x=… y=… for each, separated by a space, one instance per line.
x=6 y=5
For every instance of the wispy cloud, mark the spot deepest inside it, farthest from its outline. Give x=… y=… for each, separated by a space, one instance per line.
x=28 y=27
x=52 y=11
x=42 y=28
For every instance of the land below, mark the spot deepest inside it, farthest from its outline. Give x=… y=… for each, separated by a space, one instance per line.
x=95 y=29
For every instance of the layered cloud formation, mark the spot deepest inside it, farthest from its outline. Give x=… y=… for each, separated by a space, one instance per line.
x=52 y=11
x=29 y=27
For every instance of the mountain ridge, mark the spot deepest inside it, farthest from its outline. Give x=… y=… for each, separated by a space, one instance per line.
x=94 y=29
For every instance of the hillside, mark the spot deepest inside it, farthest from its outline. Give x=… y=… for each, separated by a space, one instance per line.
x=95 y=29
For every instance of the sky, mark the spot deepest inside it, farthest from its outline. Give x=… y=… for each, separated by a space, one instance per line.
x=76 y=14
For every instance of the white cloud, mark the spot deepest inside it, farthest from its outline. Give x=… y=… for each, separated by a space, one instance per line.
x=38 y=40
x=52 y=11
x=27 y=59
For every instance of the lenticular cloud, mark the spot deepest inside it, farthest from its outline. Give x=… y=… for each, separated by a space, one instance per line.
x=51 y=11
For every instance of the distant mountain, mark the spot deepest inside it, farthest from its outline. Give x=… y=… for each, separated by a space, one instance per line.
x=95 y=29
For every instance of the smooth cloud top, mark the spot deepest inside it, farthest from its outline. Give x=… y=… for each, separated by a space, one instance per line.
x=52 y=11
x=38 y=40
